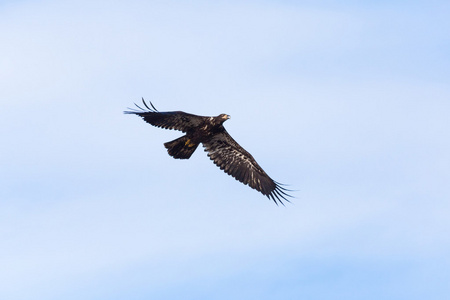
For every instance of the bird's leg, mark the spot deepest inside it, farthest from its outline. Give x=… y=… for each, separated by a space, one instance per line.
x=189 y=144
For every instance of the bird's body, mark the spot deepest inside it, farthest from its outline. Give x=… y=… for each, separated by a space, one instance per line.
x=225 y=152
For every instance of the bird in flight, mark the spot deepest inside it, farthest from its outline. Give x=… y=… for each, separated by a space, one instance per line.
x=222 y=149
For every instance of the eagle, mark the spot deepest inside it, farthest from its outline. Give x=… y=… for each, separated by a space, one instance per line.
x=222 y=149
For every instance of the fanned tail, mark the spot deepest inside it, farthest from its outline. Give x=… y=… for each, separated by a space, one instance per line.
x=181 y=148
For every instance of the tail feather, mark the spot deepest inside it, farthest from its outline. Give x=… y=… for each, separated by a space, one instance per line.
x=181 y=148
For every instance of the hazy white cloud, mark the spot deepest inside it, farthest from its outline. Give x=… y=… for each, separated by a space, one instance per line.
x=347 y=103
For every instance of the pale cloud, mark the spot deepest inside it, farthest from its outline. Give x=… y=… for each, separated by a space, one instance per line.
x=326 y=98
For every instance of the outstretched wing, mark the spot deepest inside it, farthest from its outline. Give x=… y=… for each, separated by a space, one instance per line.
x=229 y=156
x=176 y=120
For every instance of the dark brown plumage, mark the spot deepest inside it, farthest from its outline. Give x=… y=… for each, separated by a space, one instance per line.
x=222 y=149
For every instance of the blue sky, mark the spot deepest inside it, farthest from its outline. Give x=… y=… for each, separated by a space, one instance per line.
x=346 y=101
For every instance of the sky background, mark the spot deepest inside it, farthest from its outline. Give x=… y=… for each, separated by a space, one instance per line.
x=348 y=102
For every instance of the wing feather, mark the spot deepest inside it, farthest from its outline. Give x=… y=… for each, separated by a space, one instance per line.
x=176 y=120
x=234 y=160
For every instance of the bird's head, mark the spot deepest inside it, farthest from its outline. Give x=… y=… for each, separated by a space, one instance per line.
x=223 y=117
